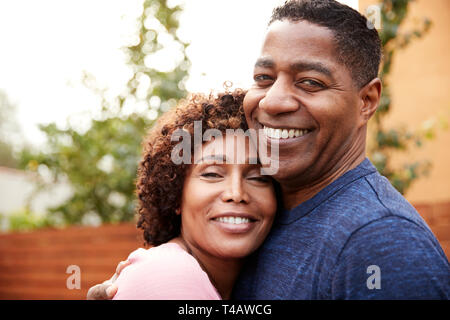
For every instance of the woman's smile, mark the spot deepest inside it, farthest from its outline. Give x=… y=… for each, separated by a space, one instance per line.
x=234 y=222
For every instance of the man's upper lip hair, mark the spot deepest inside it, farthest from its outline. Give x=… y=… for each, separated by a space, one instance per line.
x=235 y=214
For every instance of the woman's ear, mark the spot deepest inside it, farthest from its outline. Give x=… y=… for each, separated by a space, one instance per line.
x=369 y=96
x=178 y=211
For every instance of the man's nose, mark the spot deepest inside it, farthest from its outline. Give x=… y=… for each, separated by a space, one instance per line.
x=235 y=190
x=279 y=98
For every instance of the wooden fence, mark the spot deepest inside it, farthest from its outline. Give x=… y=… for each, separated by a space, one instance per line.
x=33 y=265
x=437 y=216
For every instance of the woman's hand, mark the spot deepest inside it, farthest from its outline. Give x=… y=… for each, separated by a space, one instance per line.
x=107 y=289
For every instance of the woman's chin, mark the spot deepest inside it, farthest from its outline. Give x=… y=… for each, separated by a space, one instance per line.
x=235 y=250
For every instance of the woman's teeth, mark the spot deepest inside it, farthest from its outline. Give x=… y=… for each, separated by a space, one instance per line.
x=234 y=220
x=284 y=133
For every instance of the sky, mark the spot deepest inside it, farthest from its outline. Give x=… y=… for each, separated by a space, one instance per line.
x=46 y=46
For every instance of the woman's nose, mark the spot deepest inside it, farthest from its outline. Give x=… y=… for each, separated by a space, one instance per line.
x=235 y=190
x=279 y=99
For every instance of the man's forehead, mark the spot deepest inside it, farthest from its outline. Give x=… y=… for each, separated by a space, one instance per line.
x=301 y=45
x=299 y=36
x=299 y=28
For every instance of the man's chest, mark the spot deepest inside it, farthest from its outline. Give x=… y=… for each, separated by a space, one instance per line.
x=294 y=267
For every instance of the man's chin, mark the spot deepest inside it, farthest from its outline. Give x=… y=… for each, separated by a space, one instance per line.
x=287 y=173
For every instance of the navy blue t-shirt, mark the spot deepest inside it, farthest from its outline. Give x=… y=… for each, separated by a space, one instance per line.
x=358 y=238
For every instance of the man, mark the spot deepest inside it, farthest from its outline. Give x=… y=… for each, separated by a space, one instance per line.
x=345 y=233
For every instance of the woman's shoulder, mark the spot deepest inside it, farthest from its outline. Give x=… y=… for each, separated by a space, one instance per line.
x=164 y=272
x=169 y=253
x=166 y=252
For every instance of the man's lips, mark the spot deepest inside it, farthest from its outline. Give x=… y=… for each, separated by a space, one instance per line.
x=283 y=134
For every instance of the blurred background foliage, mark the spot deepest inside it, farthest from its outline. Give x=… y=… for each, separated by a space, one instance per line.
x=8 y=128
x=384 y=142
x=100 y=163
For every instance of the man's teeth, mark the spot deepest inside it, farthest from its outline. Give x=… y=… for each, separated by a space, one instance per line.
x=234 y=220
x=284 y=133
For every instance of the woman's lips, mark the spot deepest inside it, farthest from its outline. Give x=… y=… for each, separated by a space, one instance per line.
x=234 y=223
x=232 y=227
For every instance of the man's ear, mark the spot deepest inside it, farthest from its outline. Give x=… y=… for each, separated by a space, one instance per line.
x=369 y=96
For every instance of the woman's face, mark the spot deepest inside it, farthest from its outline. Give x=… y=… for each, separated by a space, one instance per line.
x=227 y=208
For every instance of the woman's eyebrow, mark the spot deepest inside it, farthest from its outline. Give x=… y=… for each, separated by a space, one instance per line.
x=222 y=159
x=253 y=161
x=214 y=158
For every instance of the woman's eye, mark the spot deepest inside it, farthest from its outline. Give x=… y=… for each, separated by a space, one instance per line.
x=211 y=175
x=260 y=179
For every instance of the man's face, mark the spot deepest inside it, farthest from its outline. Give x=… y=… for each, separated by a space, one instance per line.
x=305 y=101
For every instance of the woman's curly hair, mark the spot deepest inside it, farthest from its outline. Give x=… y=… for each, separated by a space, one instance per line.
x=159 y=180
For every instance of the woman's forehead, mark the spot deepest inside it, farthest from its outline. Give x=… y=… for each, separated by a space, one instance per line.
x=234 y=148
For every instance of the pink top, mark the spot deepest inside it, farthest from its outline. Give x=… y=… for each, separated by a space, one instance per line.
x=165 y=272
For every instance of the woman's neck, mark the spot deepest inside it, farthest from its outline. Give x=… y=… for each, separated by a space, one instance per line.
x=222 y=272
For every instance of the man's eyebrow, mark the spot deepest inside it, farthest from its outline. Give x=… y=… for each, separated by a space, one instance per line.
x=311 y=66
x=297 y=66
x=264 y=63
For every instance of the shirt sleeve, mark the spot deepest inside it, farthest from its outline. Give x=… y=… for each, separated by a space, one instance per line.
x=164 y=275
x=391 y=258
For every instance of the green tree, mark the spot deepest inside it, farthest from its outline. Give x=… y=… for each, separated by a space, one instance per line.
x=100 y=164
x=388 y=141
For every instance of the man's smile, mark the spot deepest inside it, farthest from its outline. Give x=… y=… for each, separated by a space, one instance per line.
x=286 y=133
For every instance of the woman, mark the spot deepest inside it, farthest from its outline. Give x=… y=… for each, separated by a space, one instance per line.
x=204 y=218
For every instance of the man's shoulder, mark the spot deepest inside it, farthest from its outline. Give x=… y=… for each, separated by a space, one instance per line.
x=379 y=227
x=371 y=198
x=409 y=258
x=363 y=204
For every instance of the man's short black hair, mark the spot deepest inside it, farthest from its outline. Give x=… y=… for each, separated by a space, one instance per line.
x=358 y=46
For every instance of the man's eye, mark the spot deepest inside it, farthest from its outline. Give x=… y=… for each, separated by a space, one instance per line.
x=260 y=78
x=311 y=85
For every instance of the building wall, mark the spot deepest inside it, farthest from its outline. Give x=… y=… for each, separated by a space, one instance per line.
x=420 y=86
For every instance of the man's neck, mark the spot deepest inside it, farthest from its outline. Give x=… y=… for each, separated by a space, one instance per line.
x=292 y=197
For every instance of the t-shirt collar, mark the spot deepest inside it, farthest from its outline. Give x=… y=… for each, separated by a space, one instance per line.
x=289 y=216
